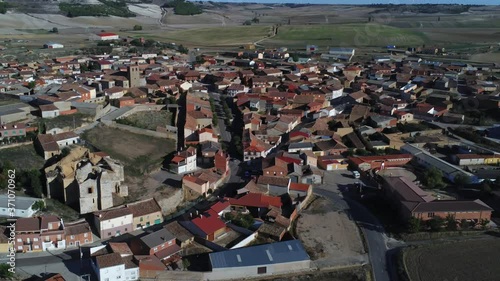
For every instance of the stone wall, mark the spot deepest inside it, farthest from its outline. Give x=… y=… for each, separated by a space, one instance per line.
x=168 y=205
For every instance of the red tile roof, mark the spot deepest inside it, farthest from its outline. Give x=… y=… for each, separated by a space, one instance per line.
x=104 y=34
x=257 y=200
x=219 y=206
x=209 y=222
x=299 y=186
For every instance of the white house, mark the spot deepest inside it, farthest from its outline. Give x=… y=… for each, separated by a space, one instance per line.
x=52 y=45
x=112 y=267
x=108 y=36
x=184 y=161
x=23 y=206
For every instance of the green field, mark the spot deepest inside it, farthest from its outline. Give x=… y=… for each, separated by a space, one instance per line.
x=354 y=35
x=216 y=36
x=446 y=23
x=22 y=157
x=140 y=154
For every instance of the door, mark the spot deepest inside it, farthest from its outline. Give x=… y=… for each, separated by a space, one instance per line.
x=77 y=243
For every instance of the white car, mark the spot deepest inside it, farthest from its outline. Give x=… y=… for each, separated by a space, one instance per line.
x=356 y=174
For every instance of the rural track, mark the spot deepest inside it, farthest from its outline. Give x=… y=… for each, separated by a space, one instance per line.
x=49 y=21
x=275 y=32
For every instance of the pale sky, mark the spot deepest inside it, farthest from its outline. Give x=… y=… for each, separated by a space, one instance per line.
x=476 y=2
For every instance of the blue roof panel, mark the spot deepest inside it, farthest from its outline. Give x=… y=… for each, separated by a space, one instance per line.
x=276 y=253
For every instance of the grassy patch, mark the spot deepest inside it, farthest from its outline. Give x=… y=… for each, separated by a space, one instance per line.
x=63 y=121
x=230 y=35
x=34 y=31
x=468 y=260
x=140 y=154
x=22 y=157
x=59 y=209
x=148 y=120
x=354 y=35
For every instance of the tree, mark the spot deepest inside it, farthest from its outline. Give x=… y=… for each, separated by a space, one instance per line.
x=451 y=223
x=84 y=67
x=461 y=180
x=255 y=20
x=464 y=224
x=484 y=223
x=435 y=224
x=65 y=151
x=414 y=225
x=247 y=22
x=32 y=84
x=433 y=178
x=5 y=273
x=486 y=187
x=137 y=27
x=295 y=58
x=182 y=49
x=39 y=205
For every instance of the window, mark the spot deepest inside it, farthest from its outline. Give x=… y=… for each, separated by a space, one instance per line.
x=155 y=249
x=118 y=277
x=37 y=247
x=261 y=270
x=19 y=247
x=86 y=240
x=109 y=233
x=90 y=190
x=430 y=215
x=85 y=235
x=35 y=239
x=71 y=243
x=126 y=229
x=141 y=219
x=19 y=240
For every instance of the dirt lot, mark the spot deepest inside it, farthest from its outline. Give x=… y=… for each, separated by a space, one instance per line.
x=148 y=119
x=462 y=261
x=330 y=238
x=351 y=274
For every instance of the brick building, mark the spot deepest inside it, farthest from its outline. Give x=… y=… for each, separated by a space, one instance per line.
x=412 y=201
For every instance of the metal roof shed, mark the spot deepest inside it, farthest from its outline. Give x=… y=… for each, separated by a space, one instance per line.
x=280 y=257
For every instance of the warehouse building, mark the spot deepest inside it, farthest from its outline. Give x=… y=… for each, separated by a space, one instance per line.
x=262 y=260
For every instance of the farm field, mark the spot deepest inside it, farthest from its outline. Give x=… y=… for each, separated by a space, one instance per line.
x=213 y=36
x=462 y=261
x=146 y=154
x=355 y=35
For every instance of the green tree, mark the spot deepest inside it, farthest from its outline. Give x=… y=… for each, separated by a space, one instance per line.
x=65 y=151
x=5 y=273
x=137 y=27
x=4 y=173
x=464 y=224
x=435 y=224
x=414 y=225
x=451 y=223
x=55 y=30
x=461 y=180
x=295 y=58
x=433 y=178
x=39 y=206
x=182 y=49
x=484 y=223
x=32 y=84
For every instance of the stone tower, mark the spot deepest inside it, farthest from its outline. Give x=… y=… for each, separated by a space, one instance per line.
x=134 y=76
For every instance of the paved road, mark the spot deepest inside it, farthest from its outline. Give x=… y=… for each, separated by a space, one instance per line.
x=336 y=182
x=225 y=135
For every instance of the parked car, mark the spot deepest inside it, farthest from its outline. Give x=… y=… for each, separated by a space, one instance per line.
x=356 y=174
